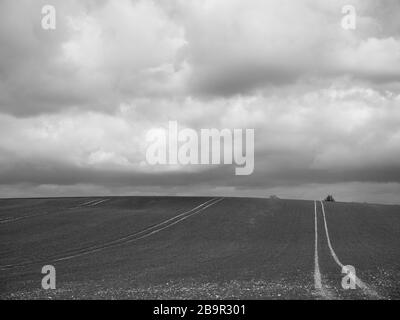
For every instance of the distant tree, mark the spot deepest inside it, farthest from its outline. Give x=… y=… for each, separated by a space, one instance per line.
x=330 y=198
x=273 y=197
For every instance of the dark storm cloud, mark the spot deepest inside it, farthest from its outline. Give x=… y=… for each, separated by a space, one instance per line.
x=61 y=173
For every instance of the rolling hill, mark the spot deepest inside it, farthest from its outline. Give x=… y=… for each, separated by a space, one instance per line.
x=193 y=247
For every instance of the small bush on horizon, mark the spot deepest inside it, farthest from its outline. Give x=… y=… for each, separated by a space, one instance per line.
x=330 y=198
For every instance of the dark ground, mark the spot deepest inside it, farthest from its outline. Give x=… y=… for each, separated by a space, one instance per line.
x=237 y=248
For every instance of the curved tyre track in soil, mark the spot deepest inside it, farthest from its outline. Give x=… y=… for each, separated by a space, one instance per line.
x=74 y=253
x=359 y=283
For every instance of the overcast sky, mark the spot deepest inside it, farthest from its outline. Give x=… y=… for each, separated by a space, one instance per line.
x=77 y=102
